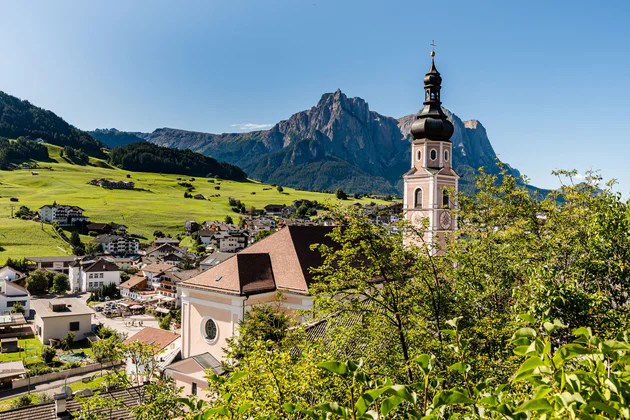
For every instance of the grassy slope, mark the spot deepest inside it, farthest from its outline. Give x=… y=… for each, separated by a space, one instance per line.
x=163 y=207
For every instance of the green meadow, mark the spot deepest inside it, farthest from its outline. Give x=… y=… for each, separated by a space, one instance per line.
x=158 y=205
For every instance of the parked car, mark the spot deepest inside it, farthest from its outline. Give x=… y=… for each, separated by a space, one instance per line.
x=99 y=309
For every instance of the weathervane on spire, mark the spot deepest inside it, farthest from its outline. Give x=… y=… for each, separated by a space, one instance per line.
x=432 y=44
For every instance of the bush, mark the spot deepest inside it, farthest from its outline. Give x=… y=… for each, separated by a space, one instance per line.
x=18 y=308
x=22 y=401
x=39 y=369
x=48 y=354
x=165 y=323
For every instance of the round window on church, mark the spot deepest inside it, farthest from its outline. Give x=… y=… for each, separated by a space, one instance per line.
x=209 y=330
x=433 y=154
x=419 y=155
x=446 y=155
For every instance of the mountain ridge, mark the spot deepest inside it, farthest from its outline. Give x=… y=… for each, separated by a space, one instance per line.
x=338 y=143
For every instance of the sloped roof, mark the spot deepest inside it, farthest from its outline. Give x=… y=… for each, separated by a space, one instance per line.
x=150 y=335
x=132 y=282
x=100 y=264
x=287 y=262
x=157 y=268
x=130 y=396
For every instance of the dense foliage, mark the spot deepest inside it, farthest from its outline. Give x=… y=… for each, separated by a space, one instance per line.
x=113 y=138
x=21 y=118
x=524 y=316
x=22 y=149
x=149 y=157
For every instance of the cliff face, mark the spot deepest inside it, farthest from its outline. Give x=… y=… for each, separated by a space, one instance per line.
x=339 y=143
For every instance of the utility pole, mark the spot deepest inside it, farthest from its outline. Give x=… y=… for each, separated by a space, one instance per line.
x=12 y=207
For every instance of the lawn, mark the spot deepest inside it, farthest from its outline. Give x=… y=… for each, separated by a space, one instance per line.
x=33 y=347
x=37 y=397
x=159 y=205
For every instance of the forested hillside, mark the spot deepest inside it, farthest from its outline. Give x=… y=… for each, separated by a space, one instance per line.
x=22 y=149
x=147 y=157
x=111 y=137
x=21 y=118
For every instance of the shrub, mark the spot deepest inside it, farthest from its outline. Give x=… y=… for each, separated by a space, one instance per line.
x=39 y=369
x=22 y=401
x=48 y=354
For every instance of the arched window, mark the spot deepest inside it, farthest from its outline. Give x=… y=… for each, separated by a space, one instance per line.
x=445 y=199
x=419 y=155
x=432 y=95
x=417 y=201
x=433 y=154
x=446 y=155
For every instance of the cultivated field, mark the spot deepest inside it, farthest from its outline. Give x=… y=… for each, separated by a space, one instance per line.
x=161 y=207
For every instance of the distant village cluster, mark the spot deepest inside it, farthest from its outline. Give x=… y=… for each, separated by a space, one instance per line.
x=123 y=283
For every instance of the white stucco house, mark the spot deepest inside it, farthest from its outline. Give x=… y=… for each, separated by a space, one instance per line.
x=10 y=293
x=8 y=273
x=91 y=274
x=63 y=215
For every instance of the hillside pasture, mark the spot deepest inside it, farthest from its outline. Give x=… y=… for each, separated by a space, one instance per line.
x=158 y=202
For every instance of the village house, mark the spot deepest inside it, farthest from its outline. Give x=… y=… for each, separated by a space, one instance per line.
x=168 y=347
x=130 y=289
x=55 y=318
x=191 y=226
x=90 y=274
x=162 y=241
x=9 y=273
x=118 y=245
x=155 y=272
x=113 y=185
x=12 y=293
x=274 y=210
x=224 y=241
x=54 y=264
x=63 y=215
x=101 y=228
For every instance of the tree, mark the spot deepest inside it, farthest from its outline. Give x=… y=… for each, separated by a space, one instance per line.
x=262 y=234
x=262 y=324
x=228 y=220
x=165 y=322
x=302 y=211
x=92 y=249
x=405 y=313
x=18 y=308
x=68 y=340
x=48 y=354
x=158 y=234
x=37 y=282
x=60 y=283
x=97 y=407
x=17 y=264
x=340 y=194
x=161 y=401
x=280 y=189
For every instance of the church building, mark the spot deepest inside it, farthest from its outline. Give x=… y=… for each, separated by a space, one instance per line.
x=429 y=183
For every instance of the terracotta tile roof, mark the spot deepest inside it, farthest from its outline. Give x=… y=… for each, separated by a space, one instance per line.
x=150 y=335
x=157 y=268
x=135 y=281
x=287 y=264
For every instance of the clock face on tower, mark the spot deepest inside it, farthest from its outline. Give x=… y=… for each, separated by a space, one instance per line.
x=417 y=217
x=445 y=220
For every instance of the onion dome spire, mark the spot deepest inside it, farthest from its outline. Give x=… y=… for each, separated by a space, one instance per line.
x=431 y=122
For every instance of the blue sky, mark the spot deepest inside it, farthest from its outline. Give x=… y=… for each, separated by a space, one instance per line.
x=549 y=80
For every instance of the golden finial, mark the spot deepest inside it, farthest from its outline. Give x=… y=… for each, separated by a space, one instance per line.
x=432 y=48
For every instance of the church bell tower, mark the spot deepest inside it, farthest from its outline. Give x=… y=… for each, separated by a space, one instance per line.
x=430 y=181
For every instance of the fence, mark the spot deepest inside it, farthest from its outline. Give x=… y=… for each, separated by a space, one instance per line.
x=54 y=376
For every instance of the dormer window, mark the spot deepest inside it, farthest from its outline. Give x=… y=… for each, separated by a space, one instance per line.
x=433 y=154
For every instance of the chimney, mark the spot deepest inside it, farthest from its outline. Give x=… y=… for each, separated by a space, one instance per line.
x=60 y=404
